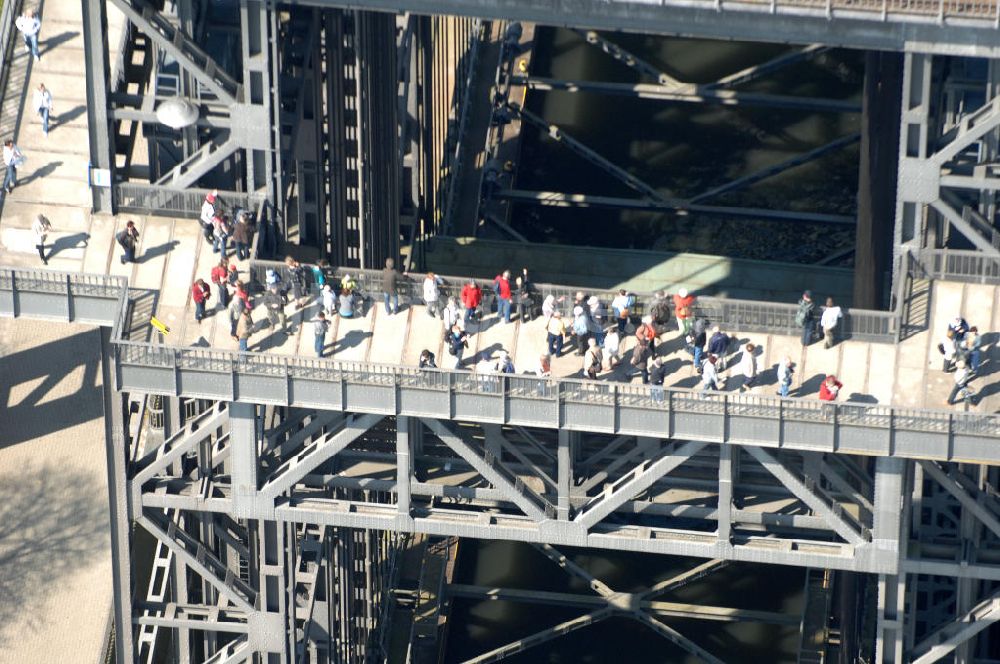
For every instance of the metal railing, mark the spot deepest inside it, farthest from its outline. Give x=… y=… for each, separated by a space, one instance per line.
x=980 y=13
x=968 y=266
x=520 y=400
x=559 y=403
x=739 y=315
x=141 y=198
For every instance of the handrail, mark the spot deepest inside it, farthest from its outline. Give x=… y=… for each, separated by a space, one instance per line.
x=742 y=315
x=143 y=198
x=969 y=266
x=516 y=399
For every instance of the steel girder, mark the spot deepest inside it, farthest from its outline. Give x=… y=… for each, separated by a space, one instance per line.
x=933 y=157
x=489 y=482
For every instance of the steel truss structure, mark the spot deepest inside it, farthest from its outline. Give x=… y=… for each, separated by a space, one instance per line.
x=243 y=500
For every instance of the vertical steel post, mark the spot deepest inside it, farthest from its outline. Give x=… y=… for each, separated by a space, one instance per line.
x=95 y=54
x=404 y=464
x=564 y=459
x=116 y=445
x=725 y=507
x=243 y=457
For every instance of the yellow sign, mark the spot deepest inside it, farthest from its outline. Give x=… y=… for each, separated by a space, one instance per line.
x=159 y=325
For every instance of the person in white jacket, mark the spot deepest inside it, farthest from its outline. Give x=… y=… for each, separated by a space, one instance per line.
x=41 y=228
x=42 y=101
x=29 y=26
x=747 y=366
x=432 y=293
x=709 y=375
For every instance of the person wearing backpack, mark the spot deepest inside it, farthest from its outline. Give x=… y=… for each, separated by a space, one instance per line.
x=620 y=307
x=694 y=341
x=640 y=359
x=128 y=239
x=804 y=317
x=684 y=310
x=593 y=359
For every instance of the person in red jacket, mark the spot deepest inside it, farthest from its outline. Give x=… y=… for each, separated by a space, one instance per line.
x=471 y=299
x=200 y=292
x=830 y=388
x=220 y=275
x=501 y=286
x=646 y=333
x=683 y=309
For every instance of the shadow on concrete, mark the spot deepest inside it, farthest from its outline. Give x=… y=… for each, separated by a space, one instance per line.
x=351 y=339
x=67 y=116
x=810 y=387
x=74 y=241
x=52 y=42
x=39 y=371
x=857 y=397
x=44 y=171
x=52 y=523
x=156 y=252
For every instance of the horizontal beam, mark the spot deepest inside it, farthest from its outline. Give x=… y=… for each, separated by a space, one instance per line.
x=699 y=96
x=839 y=23
x=560 y=199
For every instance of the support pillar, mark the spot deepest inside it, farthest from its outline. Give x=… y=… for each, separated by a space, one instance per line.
x=116 y=445
x=404 y=464
x=725 y=507
x=564 y=459
x=95 y=54
x=243 y=456
x=877 y=177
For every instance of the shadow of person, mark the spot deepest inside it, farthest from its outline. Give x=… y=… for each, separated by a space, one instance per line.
x=44 y=171
x=67 y=116
x=157 y=251
x=50 y=43
x=810 y=387
x=857 y=397
x=74 y=241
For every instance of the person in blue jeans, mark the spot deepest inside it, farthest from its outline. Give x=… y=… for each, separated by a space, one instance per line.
x=244 y=327
x=973 y=348
x=29 y=26
x=43 y=104
x=320 y=327
x=805 y=316
x=785 y=372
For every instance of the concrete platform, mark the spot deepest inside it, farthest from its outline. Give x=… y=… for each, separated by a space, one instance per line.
x=55 y=555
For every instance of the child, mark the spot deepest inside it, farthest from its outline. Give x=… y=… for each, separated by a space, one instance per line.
x=329 y=300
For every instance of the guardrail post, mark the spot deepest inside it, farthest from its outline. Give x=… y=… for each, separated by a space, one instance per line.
x=70 y=314
x=725 y=418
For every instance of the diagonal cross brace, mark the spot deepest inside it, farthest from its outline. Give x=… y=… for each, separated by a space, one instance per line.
x=967 y=229
x=181 y=444
x=571 y=568
x=542 y=636
x=676 y=637
x=494 y=431
x=316 y=453
x=954 y=486
x=635 y=483
x=945 y=639
x=188 y=54
x=851 y=532
x=244 y=599
x=970 y=128
x=231 y=653
x=492 y=475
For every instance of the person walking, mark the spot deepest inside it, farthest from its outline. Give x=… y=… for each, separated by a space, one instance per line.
x=471 y=297
x=804 y=317
x=785 y=372
x=242 y=236
x=829 y=321
x=41 y=227
x=244 y=328
x=220 y=235
x=457 y=341
x=501 y=286
x=297 y=276
x=12 y=158
x=612 y=348
x=748 y=366
x=709 y=375
x=684 y=310
x=320 y=327
x=200 y=292
x=329 y=300
x=208 y=212
x=645 y=333
x=695 y=341
x=128 y=239
x=963 y=376
x=523 y=298
x=29 y=26
x=220 y=277
x=555 y=331
x=274 y=304
x=593 y=359
x=390 y=286
x=640 y=358
x=972 y=344
x=450 y=314
x=657 y=376
x=718 y=345
x=235 y=309
x=432 y=293
x=830 y=388
x=620 y=307
x=42 y=101
x=580 y=329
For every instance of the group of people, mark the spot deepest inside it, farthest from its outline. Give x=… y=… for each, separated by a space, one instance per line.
x=29 y=25
x=961 y=350
x=218 y=227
